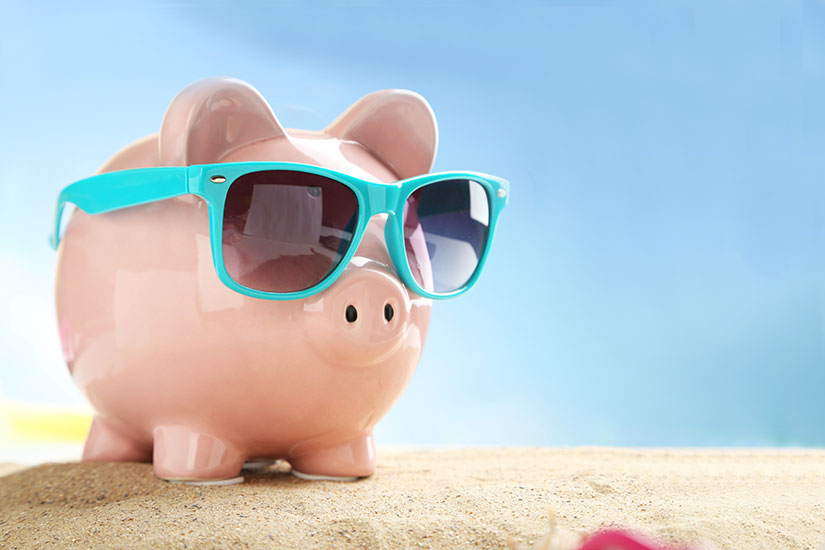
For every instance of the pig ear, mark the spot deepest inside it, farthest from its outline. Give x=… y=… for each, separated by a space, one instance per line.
x=212 y=117
x=397 y=126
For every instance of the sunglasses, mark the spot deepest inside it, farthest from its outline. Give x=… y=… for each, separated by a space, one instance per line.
x=284 y=231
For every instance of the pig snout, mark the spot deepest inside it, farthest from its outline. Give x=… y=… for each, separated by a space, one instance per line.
x=360 y=320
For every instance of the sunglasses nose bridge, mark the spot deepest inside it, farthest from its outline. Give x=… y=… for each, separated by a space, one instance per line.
x=382 y=198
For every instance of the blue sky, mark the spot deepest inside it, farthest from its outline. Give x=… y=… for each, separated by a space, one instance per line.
x=658 y=277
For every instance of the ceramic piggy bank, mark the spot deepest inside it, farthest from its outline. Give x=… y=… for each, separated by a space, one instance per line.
x=240 y=298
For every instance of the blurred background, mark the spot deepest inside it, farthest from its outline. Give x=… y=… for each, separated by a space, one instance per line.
x=658 y=278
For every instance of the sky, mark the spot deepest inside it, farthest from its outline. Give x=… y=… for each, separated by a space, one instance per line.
x=658 y=277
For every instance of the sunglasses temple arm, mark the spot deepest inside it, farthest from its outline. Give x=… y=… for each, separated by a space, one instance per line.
x=115 y=190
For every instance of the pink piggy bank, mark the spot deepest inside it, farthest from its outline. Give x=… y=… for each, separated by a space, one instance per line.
x=200 y=379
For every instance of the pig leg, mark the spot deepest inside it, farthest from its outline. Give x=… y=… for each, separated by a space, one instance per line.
x=345 y=462
x=182 y=454
x=258 y=464
x=105 y=444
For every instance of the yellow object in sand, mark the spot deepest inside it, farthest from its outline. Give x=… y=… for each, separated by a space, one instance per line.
x=36 y=423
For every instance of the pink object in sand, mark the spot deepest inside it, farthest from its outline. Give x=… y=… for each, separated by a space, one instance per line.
x=199 y=379
x=618 y=539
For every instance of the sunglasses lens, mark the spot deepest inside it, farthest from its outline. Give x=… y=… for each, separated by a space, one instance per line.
x=446 y=224
x=285 y=231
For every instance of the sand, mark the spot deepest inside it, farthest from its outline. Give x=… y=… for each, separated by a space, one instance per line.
x=467 y=498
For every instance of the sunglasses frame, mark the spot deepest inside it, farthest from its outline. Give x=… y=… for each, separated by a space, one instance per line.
x=122 y=189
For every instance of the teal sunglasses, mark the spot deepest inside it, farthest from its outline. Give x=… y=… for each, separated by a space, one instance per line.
x=284 y=230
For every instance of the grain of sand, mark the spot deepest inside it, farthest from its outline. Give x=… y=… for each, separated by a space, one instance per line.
x=468 y=498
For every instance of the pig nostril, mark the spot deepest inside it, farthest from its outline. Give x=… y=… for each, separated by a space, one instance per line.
x=388 y=312
x=352 y=314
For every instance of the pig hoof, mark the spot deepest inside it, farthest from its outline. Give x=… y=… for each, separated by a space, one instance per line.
x=258 y=464
x=348 y=461
x=183 y=454
x=208 y=483
x=314 y=477
x=105 y=444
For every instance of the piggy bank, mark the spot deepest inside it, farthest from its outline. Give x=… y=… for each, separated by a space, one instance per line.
x=200 y=379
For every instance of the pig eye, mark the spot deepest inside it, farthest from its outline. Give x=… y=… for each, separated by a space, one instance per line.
x=446 y=224
x=286 y=231
x=388 y=312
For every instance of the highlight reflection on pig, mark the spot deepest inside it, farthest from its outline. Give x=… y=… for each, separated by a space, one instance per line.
x=185 y=372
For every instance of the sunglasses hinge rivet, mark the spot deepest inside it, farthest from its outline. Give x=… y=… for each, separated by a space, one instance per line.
x=217 y=179
x=501 y=193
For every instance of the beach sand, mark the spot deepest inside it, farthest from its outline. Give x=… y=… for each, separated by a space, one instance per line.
x=462 y=498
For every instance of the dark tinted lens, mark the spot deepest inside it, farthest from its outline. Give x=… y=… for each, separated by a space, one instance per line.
x=445 y=232
x=285 y=231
